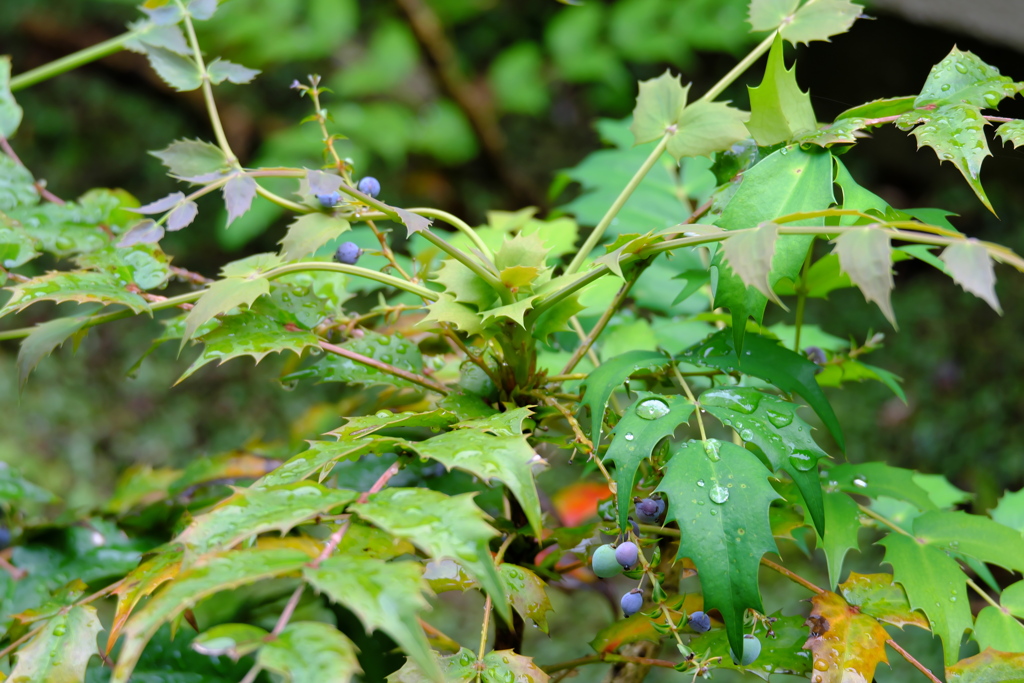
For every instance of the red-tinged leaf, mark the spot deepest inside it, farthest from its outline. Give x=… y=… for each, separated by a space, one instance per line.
x=576 y=504
x=879 y=596
x=220 y=572
x=526 y=593
x=865 y=254
x=749 y=254
x=252 y=511
x=308 y=651
x=850 y=645
x=989 y=666
x=60 y=652
x=238 y=195
x=80 y=286
x=641 y=627
x=308 y=233
x=970 y=266
x=140 y=583
x=221 y=297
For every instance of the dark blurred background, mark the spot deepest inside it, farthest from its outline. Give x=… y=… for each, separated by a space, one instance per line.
x=479 y=110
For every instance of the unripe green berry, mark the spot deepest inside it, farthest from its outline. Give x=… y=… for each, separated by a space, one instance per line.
x=751 y=650
x=604 y=563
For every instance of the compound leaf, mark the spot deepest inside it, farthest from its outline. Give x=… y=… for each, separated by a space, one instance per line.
x=178 y=71
x=852 y=642
x=962 y=78
x=308 y=651
x=221 y=70
x=320 y=457
x=955 y=132
x=392 y=350
x=658 y=106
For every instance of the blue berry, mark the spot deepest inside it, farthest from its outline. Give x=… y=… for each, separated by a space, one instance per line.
x=816 y=355
x=700 y=622
x=330 y=199
x=631 y=602
x=369 y=185
x=604 y=563
x=649 y=510
x=627 y=554
x=348 y=253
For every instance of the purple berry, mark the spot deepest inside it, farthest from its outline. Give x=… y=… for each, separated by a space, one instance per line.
x=816 y=355
x=627 y=554
x=649 y=510
x=329 y=199
x=348 y=253
x=700 y=622
x=369 y=185
x=631 y=602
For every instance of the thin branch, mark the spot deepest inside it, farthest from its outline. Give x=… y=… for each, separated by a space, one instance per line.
x=289 y=610
x=386 y=368
x=692 y=399
x=483 y=638
x=76 y=59
x=795 y=578
x=917 y=665
x=602 y=322
x=607 y=657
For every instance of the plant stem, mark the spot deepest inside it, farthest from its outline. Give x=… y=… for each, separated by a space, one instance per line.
x=801 y=297
x=916 y=664
x=460 y=225
x=76 y=59
x=483 y=638
x=281 y=201
x=602 y=322
x=795 y=578
x=692 y=399
x=620 y=201
x=211 y=104
x=874 y=515
x=738 y=70
x=984 y=596
x=385 y=368
x=607 y=657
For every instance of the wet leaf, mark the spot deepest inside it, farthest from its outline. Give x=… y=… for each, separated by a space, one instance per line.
x=970 y=266
x=842 y=524
x=1012 y=131
x=972 y=535
x=874 y=479
x=641 y=627
x=505 y=666
x=879 y=596
x=226 y=466
x=233 y=640
x=392 y=350
x=658 y=105
x=457 y=668
x=309 y=232
x=509 y=423
x=865 y=254
x=61 y=651
x=44 y=338
x=987 y=667
x=309 y=651
x=320 y=457
x=80 y=286
x=446 y=310
x=601 y=383
x=17 y=186
x=220 y=297
x=783 y=654
x=719 y=495
x=779 y=110
x=144 y=264
x=956 y=133
x=526 y=593
x=962 y=78
x=852 y=643
x=139 y=583
x=364 y=425
x=140 y=485
x=384 y=595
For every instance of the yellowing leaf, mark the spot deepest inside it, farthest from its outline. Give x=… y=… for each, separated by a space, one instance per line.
x=879 y=596
x=60 y=652
x=865 y=254
x=970 y=266
x=526 y=592
x=843 y=640
x=988 y=666
x=139 y=583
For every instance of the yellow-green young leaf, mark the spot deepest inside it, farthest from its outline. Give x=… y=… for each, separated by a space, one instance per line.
x=61 y=651
x=464 y=286
x=220 y=572
x=140 y=583
x=877 y=595
x=509 y=423
x=865 y=254
x=522 y=251
x=658 y=106
x=970 y=266
x=178 y=71
x=308 y=233
x=44 y=338
x=221 y=297
x=140 y=485
x=988 y=666
x=458 y=668
x=233 y=640
x=443 y=527
x=384 y=595
x=973 y=535
x=820 y=20
x=779 y=110
x=252 y=511
x=1012 y=131
x=956 y=133
x=706 y=128
x=447 y=310
x=310 y=652
x=963 y=78
x=516 y=277
x=935 y=584
x=508 y=459
x=514 y=311
x=719 y=495
x=526 y=592
x=998 y=630
x=851 y=644
x=80 y=286
x=249 y=334
x=766 y=15
x=10 y=112
x=750 y=256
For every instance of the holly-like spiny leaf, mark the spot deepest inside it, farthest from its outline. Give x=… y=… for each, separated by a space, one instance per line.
x=972 y=535
x=852 y=643
x=61 y=651
x=221 y=70
x=988 y=666
x=238 y=195
x=719 y=495
x=706 y=128
x=192 y=159
x=44 y=338
x=955 y=132
x=509 y=423
x=874 y=479
x=865 y=254
x=140 y=583
x=749 y=254
x=879 y=596
x=364 y=425
x=962 y=78
x=80 y=286
x=1012 y=131
x=309 y=232
x=392 y=350
x=817 y=20
x=320 y=457
x=779 y=110
x=307 y=651
x=606 y=378
x=220 y=297
x=178 y=71
x=970 y=266
x=526 y=593
x=842 y=524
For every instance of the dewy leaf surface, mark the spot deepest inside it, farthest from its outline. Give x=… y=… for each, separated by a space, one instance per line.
x=779 y=110
x=874 y=479
x=509 y=459
x=60 y=652
x=970 y=266
x=719 y=495
x=526 y=593
x=221 y=297
x=644 y=424
x=79 y=286
x=935 y=584
x=308 y=652
x=988 y=666
x=441 y=526
x=854 y=643
x=141 y=582
x=963 y=78
x=955 y=132
x=879 y=596
x=384 y=595
x=865 y=254
x=606 y=378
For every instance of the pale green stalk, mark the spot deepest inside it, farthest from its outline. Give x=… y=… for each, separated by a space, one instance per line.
x=75 y=59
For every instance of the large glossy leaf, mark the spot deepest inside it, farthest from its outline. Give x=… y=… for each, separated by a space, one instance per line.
x=865 y=255
x=60 y=652
x=80 y=286
x=221 y=297
x=384 y=595
x=772 y=424
x=779 y=110
x=852 y=644
x=644 y=424
x=310 y=652
x=443 y=527
x=879 y=596
x=607 y=377
x=842 y=524
x=989 y=666
x=972 y=535
x=252 y=511
x=508 y=459
x=221 y=572
x=719 y=495
x=775 y=364
x=935 y=585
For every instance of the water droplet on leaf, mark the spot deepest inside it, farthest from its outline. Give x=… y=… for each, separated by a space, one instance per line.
x=718 y=494
x=652 y=409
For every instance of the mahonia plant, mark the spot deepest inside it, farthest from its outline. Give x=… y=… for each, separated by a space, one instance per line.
x=693 y=423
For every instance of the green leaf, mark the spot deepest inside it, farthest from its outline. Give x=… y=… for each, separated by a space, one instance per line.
x=509 y=423
x=10 y=112
x=219 y=572
x=767 y=15
x=1010 y=510
x=140 y=583
x=458 y=668
x=935 y=585
x=765 y=358
x=144 y=264
x=865 y=255
x=309 y=232
x=233 y=640
x=749 y=254
x=972 y=535
x=1012 y=599
x=877 y=595
x=385 y=419
x=1012 y=131
x=556 y=318
x=789 y=180
x=249 y=334
x=413 y=222
x=80 y=286
x=16 y=247
x=658 y=105
x=842 y=523
x=706 y=128
x=773 y=425
x=879 y=109
x=606 y=378
x=781 y=655
x=962 y=78
x=956 y=133
x=441 y=526
x=188 y=159
x=238 y=195
x=384 y=595
x=201 y=10
x=178 y=71
x=526 y=593
x=15 y=489
x=820 y=20
x=779 y=110
x=970 y=266
x=464 y=285
x=720 y=498
x=221 y=70
x=392 y=350
x=644 y=424
x=60 y=652
x=842 y=132
x=44 y=338
x=17 y=186
x=310 y=652
x=522 y=251
x=509 y=459
x=446 y=310
x=514 y=311
x=998 y=630
x=220 y=297
x=504 y=666
x=321 y=457
x=989 y=666
x=252 y=511
x=874 y=479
